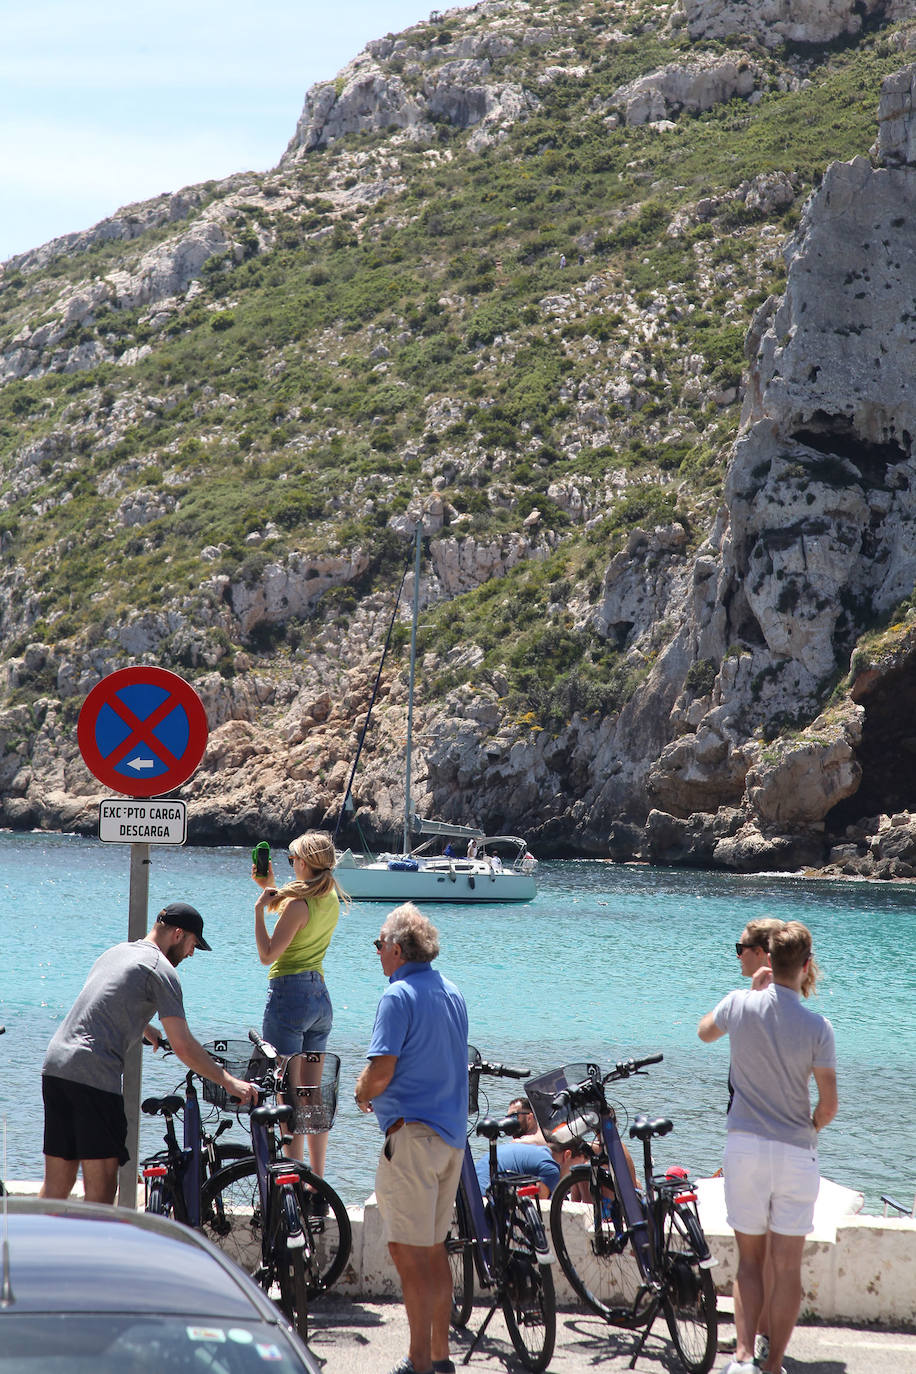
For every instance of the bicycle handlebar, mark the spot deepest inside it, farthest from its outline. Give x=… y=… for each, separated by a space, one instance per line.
x=498 y=1070
x=624 y=1067
x=264 y=1046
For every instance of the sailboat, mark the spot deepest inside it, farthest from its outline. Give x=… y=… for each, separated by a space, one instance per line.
x=478 y=874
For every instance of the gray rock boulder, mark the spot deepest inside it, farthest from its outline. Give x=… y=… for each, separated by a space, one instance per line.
x=773 y=22
x=692 y=88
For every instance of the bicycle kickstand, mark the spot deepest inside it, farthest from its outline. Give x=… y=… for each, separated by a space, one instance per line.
x=486 y=1322
x=643 y=1338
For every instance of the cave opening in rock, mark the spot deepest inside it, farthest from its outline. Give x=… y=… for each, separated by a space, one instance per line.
x=836 y=436
x=887 y=752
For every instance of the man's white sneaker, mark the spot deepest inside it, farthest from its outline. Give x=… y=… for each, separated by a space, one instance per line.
x=740 y=1367
x=761 y=1348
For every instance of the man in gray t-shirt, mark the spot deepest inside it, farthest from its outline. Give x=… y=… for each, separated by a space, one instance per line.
x=771 y=1168
x=81 y=1074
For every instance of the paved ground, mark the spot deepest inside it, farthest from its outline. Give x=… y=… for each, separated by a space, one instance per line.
x=357 y=1337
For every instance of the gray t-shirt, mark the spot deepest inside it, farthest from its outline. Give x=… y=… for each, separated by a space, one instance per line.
x=126 y=987
x=776 y=1041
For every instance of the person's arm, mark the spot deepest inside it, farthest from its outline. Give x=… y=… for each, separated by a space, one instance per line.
x=295 y=916
x=192 y=1053
x=708 y=1031
x=827 y=1100
x=374 y=1079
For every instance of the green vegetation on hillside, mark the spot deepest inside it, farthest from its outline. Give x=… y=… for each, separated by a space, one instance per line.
x=353 y=354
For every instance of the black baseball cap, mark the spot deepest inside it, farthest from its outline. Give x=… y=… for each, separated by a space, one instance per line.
x=185 y=917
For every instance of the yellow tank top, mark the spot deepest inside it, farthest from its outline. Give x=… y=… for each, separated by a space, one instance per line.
x=308 y=946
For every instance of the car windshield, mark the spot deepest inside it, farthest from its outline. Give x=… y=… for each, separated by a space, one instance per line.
x=119 y=1343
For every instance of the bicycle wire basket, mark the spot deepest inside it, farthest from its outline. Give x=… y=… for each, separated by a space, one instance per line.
x=240 y=1058
x=310 y=1082
x=556 y=1124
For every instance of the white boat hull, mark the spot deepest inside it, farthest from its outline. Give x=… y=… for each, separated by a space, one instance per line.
x=461 y=881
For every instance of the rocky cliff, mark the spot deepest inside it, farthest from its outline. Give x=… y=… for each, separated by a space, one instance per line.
x=667 y=592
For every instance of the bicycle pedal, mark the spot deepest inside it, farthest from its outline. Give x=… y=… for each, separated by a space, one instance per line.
x=296 y=1242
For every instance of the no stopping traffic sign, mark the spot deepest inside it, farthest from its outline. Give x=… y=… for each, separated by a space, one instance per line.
x=142 y=731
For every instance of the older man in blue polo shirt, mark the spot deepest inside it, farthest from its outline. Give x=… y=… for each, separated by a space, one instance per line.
x=416 y=1082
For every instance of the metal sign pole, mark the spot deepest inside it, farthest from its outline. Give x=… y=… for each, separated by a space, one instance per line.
x=133 y=1063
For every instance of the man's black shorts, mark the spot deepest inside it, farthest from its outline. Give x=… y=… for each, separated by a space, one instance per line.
x=83 y=1122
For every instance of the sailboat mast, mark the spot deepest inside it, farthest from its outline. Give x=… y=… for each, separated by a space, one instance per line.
x=405 y=849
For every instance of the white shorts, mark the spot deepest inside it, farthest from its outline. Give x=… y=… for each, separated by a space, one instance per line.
x=415 y=1185
x=769 y=1186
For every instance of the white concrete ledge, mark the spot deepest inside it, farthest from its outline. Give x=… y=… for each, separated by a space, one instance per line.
x=863 y=1269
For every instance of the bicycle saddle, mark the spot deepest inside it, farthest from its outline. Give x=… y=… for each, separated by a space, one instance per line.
x=269 y=1116
x=167 y=1105
x=644 y=1129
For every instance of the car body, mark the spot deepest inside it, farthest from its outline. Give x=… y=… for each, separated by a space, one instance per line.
x=103 y=1290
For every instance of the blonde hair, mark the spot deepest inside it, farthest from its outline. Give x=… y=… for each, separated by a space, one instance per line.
x=316 y=848
x=759 y=931
x=790 y=949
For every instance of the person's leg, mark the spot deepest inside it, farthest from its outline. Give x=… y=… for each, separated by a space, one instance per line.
x=100 y=1179
x=748 y=1292
x=441 y=1279
x=318 y=1151
x=420 y=1277
x=60 y=1176
x=785 y=1295
x=763 y=1321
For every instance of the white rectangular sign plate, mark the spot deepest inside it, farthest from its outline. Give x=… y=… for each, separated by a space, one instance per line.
x=128 y=821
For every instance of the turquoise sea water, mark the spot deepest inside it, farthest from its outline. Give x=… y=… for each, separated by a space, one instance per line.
x=605 y=963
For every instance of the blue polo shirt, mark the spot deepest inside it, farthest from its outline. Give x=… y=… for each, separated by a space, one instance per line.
x=516 y=1157
x=422 y=1019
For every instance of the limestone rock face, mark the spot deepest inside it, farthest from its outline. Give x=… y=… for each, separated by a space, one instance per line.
x=834 y=358
x=367 y=96
x=778 y=21
x=897 y=119
x=809 y=776
x=695 y=87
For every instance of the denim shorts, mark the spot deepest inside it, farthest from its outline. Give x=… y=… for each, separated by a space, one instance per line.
x=298 y=1015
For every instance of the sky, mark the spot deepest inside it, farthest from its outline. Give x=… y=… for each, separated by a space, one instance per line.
x=104 y=102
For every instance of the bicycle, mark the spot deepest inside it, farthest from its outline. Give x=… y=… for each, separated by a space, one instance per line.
x=502 y=1236
x=174 y=1177
x=272 y=1215
x=642 y=1255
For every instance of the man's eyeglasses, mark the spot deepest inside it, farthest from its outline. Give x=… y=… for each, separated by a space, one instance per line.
x=740 y=948
x=378 y=943
x=290 y=859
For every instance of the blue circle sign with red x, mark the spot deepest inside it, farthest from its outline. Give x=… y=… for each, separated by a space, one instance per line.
x=142 y=731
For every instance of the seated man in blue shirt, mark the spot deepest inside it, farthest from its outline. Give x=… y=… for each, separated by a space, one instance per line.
x=547 y=1163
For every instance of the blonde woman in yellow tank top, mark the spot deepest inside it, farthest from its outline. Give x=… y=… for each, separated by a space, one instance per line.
x=298 y=1015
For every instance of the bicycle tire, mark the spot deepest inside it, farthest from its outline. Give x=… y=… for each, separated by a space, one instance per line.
x=159 y=1199
x=291 y=1277
x=329 y=1237
x=599 y=1264
x=231 y=1218
x=459 y=1248
x=688 y=1294
x=529 y=1300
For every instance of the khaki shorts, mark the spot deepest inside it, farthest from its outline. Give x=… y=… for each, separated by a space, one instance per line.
x=415 y=1185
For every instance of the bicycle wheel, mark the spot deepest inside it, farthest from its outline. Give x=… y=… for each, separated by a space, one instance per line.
x=293 y=1285
x=230 y=1212
x=458 y=1246
x=529 y=1301
x=159 y=1199
x=593 y=1251
x=327 y=1233
x=688 y=1294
